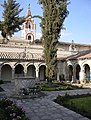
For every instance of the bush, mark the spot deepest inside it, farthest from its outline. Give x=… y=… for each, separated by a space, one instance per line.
x=9 y=111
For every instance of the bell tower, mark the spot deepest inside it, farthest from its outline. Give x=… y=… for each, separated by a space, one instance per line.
x=29 y=27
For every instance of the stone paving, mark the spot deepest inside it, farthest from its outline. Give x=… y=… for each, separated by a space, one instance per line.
x=45 y=109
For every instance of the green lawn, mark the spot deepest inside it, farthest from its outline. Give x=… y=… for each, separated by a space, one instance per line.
x=79 y=104
x=57 y=87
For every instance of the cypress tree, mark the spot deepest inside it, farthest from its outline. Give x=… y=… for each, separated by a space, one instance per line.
x=11 y=21
x=54 y=14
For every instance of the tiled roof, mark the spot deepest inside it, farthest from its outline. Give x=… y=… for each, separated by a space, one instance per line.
x=80 y=55
x=87 y=56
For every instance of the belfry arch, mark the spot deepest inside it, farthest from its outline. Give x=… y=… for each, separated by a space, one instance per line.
x=29 y=37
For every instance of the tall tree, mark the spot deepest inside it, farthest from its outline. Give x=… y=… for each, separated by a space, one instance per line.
x=54 y=14
x=11 y=21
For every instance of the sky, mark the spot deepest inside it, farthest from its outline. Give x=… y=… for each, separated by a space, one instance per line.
x=77 y=24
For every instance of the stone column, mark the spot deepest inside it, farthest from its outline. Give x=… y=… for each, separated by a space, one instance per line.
x=13 y=73
x=90 y=74
x=25 y=72
x=74 y=75
x=37 y=73
x=82 y=75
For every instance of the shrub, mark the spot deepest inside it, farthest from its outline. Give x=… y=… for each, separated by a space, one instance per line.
x=9 y=111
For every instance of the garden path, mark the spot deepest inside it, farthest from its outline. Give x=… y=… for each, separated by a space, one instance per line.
x=45 y=109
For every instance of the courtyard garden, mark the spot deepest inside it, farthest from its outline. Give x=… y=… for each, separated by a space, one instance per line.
x=57 y=86
x=78 y=103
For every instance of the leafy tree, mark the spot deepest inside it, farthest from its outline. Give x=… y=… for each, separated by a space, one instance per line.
x=11 y=21
x=54 y=14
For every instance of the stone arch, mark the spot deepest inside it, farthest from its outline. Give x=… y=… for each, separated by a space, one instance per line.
x=18 y=63
x=77 y=68
x=42 y=71
x=6 y=72
x=31 y=71
x=70 y=72
x=87 y=71
x=19 y=70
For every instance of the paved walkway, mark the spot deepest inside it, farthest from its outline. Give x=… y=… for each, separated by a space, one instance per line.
x=45 y=109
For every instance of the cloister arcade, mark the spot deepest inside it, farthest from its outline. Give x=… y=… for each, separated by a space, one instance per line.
x=9 y=71
x=79 y=71
x=75 y=71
